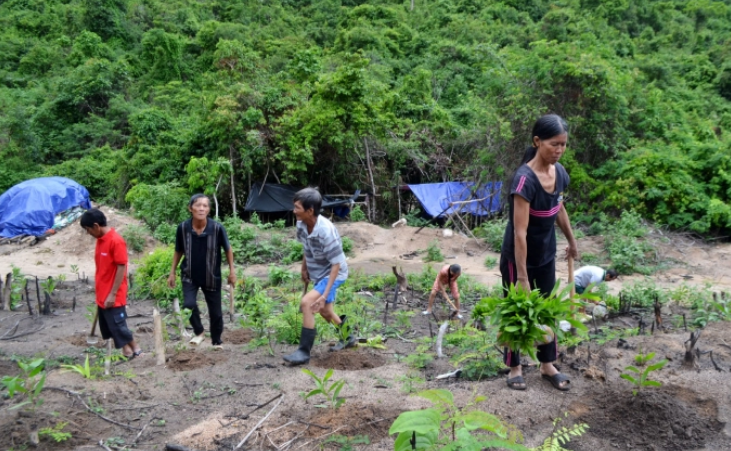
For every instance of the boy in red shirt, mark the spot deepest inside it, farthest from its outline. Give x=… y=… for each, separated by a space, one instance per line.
x=110 y=282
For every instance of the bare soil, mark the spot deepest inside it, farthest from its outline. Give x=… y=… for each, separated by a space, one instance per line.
x=348 y=359
x=209 y=400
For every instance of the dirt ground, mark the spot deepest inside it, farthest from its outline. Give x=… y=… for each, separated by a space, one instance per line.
x=210 y=400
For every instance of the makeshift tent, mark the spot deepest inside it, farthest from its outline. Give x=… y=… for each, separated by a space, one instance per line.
x=444 y=199
x=275 y=198
x=29 y=208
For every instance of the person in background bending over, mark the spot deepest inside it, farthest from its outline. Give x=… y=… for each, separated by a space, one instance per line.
x=447 y=277
x=587 y=275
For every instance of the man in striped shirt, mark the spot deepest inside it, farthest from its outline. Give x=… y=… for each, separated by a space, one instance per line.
x=323 y=263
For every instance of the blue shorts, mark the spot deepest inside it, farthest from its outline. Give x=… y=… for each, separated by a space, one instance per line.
x=322 y=284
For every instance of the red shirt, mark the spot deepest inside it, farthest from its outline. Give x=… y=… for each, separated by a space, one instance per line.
x=111 y=251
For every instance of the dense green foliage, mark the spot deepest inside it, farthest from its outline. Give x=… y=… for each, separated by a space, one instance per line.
x=345 y=94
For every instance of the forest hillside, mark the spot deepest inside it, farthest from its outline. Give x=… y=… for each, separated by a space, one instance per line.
x=152 y=99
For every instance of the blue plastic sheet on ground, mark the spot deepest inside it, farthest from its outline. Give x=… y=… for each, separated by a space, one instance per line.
x=436 y=197
x=29 y=208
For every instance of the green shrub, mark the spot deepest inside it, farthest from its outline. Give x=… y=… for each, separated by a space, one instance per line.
x=414 y=219
x=642 y=293
x=422 y=281
x=287 y=326
x=293 y=252
x=433 y=253
x=490 y=261
x=165 y=233
x=625 y=244
x=136 y=237
x=357 y=214
x=151 y=277
x=281 y=276
x=492 y=232
x=158 y=204
x=347 y=246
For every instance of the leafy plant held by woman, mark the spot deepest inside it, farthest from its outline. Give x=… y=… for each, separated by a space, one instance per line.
x=522 y=317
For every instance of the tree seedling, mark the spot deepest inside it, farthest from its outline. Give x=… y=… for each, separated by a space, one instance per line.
x=330 y=392
x=85 y=370
x=641 y=378
x=446 y=426
x=30 y=383
x=56 y=433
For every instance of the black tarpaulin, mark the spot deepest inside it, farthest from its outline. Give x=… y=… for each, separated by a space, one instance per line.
x=275 y=198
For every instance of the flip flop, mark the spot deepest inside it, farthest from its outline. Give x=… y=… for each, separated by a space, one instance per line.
x=556 y=380
x=513 y=383
x=127 y=358
x=198 y=339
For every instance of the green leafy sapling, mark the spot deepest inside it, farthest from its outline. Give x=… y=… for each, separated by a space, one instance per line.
x=330 y=391
x=448 y=427
x=56 y=433
x=641 y=378
x=525 y=317
x=85 y=370
x=29 y=383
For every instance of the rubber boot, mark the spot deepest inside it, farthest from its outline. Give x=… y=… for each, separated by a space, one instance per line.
x=302 y=354
x=349 y=342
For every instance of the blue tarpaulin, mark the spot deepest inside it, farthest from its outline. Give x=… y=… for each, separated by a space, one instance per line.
x=29 y=207
x=436 y=197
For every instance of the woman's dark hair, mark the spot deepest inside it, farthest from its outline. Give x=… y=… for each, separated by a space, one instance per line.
x=612 y=273
x=546 y=127
x=195 y=198
x=309 y=198
x=453 y=269
x=93 y=216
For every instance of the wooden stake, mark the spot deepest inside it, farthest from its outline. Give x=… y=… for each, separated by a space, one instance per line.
x=8 y=290
x=159 y=343
x=108 y=360
x=27 y=293
x=231 y=308
x=38 y=293
x=571 y=276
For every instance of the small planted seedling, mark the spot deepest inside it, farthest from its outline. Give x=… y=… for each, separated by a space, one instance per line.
x=30 y=383
x=447 y=426
x=330 y=392
x=375 y=342
x=85 y=370
x=641 y=378
x=56 y=433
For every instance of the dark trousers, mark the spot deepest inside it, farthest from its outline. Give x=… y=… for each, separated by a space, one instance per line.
x=213 y=300
x=544 y=279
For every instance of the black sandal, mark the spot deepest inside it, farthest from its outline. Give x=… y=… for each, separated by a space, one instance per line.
x=556 y=380
x=514 y=382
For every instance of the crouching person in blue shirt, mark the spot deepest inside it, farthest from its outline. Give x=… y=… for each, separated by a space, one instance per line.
x=323 y=263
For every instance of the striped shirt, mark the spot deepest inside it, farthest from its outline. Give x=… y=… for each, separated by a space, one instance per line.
x=544 y=208
x=322 y=248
